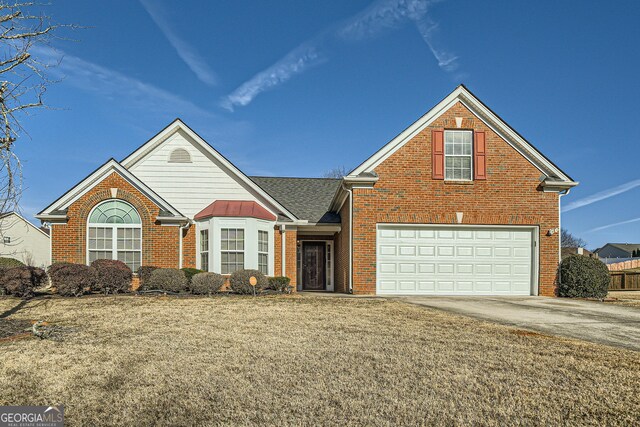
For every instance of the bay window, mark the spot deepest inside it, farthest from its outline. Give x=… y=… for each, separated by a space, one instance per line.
x=231 y=250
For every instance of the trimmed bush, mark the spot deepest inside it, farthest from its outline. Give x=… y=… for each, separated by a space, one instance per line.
x=167 y=279
x=144 y=274
x=239 y=281
x=113 y=276
x=583 y=277
x=190 y=272
x=73 y=280
x=206 y=283
x=10 y=263
x=280 y=284
x=23 y=281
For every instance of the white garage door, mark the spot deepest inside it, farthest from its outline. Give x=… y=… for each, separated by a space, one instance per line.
x=455 y=260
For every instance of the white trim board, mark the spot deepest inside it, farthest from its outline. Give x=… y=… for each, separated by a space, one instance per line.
x=94 y=179
x=466 y=98
x=179 y=125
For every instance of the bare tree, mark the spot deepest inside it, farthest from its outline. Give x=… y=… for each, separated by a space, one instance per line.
x=337 y=172
x=23 y=82
x=568 y=240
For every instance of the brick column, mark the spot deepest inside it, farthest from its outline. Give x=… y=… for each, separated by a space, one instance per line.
x=291 y=255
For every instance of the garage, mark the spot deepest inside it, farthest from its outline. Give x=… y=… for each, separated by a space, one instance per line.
x=456 y=260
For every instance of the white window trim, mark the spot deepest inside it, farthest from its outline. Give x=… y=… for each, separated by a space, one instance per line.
x=235 y=251
x=263 y=252
x=444 y=148
x=200 y=251
x=251 y=227
x=114 y=233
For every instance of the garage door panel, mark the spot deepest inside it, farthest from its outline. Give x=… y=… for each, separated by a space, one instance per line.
x=436 y=260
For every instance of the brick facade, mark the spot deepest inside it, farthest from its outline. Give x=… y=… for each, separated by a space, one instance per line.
x=160 y=244
x=291 y=254
x=406 y=193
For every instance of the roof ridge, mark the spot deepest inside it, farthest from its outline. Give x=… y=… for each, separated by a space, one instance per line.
x=294 y=177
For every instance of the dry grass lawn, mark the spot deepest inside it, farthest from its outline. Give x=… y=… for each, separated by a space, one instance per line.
x=306 y=361
x=628 y=298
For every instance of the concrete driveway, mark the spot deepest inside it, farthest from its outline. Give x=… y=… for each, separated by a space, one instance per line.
x=586 y=320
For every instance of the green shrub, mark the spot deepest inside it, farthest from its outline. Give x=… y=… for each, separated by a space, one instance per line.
x=22 y=281
x=190 y=272
x=168 y=279
x=10 y=263
x=72 y=280
x=239 y=282
x=583 y=277
x=144 y=274
x=206 y=283
x=280 y=284
x=113 y=276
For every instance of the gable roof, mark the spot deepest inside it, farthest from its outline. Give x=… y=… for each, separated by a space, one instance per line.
x=627 y=247
x=463 y=95
x=58 y=209
x=308 y=198
x=7 y=214
x=177 y=125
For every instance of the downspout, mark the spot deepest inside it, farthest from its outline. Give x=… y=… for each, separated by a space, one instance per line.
x=283 y=245
x=560 y=230
x=350 y=191
x=182 y=227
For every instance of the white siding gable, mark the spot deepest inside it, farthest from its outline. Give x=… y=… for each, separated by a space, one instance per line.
x=189 y=187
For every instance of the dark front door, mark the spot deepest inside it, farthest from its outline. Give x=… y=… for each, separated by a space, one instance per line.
x=313 y=266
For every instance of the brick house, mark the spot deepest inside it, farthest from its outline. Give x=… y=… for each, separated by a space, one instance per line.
x=457 y=203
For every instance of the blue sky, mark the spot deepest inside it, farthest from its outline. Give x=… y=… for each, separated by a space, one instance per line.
x=296 y=88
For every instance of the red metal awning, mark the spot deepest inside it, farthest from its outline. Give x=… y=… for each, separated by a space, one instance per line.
x=236 y=208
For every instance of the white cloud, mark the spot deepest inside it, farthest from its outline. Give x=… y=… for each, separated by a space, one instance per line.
x=380 y=16
x=601 y=195
x=446 y=60
x=184 y=50
x=615 y=224
x=295 y=62
x=389 y=14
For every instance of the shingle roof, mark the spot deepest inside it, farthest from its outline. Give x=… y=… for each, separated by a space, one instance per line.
x=306 y=198
x=629 y=247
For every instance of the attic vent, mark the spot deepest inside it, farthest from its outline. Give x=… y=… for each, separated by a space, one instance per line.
x=179 y=155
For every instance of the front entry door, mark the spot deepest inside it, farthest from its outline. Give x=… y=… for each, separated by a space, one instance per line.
x=313 y=266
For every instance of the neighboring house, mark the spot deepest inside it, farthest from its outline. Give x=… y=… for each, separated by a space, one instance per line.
x=575 y=250
x=24 y=241
x=458 y=203
x=618 y=250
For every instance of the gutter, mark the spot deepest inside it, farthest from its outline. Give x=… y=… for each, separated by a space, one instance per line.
x=181 y=251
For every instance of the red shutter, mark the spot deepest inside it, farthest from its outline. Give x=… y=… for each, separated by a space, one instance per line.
x=437 y=150
x=480 y=155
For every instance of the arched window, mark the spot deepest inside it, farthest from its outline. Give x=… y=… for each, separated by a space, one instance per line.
x=115 y=232
x=179 y=155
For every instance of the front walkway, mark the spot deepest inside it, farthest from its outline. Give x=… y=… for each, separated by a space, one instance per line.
x=593 y=321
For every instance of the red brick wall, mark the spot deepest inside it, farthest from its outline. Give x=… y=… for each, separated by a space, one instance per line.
x=341 y=254
x=406 y=193
x=189 y=247
x=160 y=244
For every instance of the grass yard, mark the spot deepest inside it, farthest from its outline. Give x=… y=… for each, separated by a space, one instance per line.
x=292 y=360
x=628 y=298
